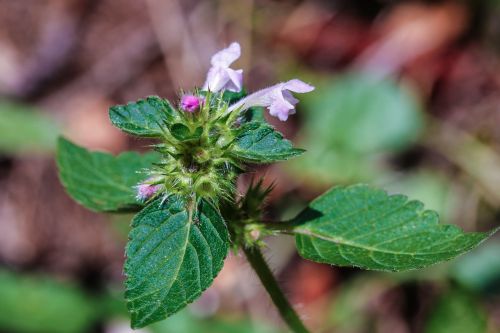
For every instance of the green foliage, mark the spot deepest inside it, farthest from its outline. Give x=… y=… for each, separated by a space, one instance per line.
x=184 y=322
x=434 y=189
x=40 y=305
x=351 y=120
x=179 y=241
x=258 y=142
x=25 y=130
x=456 y=312
x=100 y=181
x=480 y=270
x=144 y=118
x=363 y=114
x=182 y=133
x=348 y=311
x=364 y=227
x=172 y=257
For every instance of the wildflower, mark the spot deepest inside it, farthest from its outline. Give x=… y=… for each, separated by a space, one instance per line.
x=146 y=191
x=220 y=76
x=278 y=98
x=191 y=103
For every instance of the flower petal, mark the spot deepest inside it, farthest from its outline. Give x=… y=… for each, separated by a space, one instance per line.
x=277 y=98
x=220 y=76
x=225 y=57
x=287 y=95
x=235 y=82
x=216 y=79
x=298 y=86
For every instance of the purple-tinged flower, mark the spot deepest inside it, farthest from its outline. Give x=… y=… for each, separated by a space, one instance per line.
x=220 y=76
x=191 y=103
x=278 y=98
x=146 y=191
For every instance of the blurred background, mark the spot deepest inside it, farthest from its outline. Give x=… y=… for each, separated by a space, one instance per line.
x=407 y=98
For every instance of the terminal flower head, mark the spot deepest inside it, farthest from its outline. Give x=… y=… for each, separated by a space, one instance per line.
x=191 y=103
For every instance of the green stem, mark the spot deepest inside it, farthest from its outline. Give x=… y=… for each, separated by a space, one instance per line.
x=282 y=227
x=256 y=260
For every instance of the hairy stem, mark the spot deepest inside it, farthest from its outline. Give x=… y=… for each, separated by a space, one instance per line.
x=258 y=263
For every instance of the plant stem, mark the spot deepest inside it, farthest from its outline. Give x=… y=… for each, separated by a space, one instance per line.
x=258 y=263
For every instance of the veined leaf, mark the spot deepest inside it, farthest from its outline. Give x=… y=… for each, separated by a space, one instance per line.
x=258 y=142
x=364 y=227
x=100 y=181
x=171 y=260
x=144 y=117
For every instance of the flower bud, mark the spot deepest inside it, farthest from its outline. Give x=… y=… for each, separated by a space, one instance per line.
x=191 y=103
x=146 y=191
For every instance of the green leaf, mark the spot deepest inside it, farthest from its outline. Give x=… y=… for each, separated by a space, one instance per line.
x=25 y=130
x=361 y=113
x=170 y=259
x=255 y=114
x=456 y=312
x=364 y=227
x=143 y=118
x=350 y=124
x=39 y=304
x=232 y=97
x=258 y=142
x=183 y=133
x=196 y=321
x=100 y=181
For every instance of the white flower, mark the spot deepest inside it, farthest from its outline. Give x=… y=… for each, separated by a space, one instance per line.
x=220 y=76
x=277 y=98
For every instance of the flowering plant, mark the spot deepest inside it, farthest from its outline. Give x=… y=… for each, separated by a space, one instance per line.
x=189 y=213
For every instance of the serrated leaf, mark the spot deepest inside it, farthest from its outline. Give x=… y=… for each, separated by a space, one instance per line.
x=171 y=260
x=183 y=133
x=365 y=227
x=258 y=142
x=143 y=118
x=100 y=181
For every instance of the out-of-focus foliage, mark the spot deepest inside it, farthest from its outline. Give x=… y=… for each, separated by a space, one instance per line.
x=185 y=322
x=40 y=305
x=480 y=269
x=351 y=120
x=25 y=130
x=432 y=188
x=456 y=312
x=349 y=310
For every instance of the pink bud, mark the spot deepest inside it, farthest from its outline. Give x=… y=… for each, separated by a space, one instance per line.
x=146 y=191
x=191 y=103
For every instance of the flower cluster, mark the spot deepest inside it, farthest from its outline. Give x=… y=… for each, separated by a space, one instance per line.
x=201 y=164
x=278 y=98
